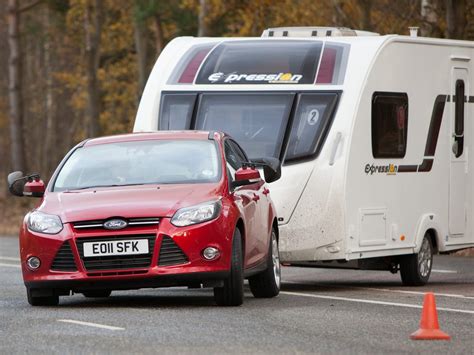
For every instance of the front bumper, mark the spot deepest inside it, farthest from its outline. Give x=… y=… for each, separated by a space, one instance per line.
x=192 y=271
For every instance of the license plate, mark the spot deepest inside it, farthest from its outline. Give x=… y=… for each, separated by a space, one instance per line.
x=116 y=247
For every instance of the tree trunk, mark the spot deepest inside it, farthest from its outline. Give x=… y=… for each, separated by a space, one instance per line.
x=159 y=40
x=49 y=107
x=455 y=18
x=203 y=29
x=14 y=88
x=141 y=49
x=366 y=14
x=93 y=19
x=429 y=18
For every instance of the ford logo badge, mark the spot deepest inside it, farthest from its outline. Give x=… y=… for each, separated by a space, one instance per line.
x=115 y=224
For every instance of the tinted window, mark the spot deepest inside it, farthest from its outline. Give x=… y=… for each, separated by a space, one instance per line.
x=257 y=122
x=459 y=117
x=311 y=120
x=233 y=158
x=261 y=62
x=140 y=162
x=176 y=111
x=389 y=124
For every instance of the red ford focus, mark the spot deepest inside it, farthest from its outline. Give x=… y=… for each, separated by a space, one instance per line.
x=151 y=210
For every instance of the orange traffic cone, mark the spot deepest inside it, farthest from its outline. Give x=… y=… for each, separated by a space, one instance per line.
x=429 y=327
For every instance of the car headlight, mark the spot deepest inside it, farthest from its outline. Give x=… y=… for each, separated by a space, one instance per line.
x=196 y=214
x=44 y=223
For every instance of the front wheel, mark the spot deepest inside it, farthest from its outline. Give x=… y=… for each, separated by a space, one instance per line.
x=232 y=294
x=41 y=300
x=415 y=269
x=267 y=283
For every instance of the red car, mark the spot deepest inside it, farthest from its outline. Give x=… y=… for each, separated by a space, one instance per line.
x=151 y=210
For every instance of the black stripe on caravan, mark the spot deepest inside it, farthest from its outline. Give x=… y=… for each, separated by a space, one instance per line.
x=431 y=139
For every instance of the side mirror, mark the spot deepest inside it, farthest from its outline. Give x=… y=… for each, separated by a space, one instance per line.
x=16 y=182
x=30 y=185
x=245 y=175
x=271 y=169
x=34 y=188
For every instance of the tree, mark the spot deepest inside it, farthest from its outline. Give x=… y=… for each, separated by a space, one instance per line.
x=455 y=18
x=14 y=87
x=203 y=28
x=93 y=19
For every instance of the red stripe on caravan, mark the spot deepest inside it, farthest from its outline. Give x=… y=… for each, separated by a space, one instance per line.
x=326 y=68
x=187 y=77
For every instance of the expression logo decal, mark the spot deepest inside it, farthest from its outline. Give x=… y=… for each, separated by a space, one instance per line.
x=390 y=169
x=234 y=78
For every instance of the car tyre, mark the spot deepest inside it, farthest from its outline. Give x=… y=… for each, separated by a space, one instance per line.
x=41 y=300
x=97 y=293
x=267 y=283
x=232 y=294
x=415 y=269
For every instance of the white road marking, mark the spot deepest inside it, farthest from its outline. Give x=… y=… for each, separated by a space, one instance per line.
x=10 y=265
x=383 y=290
x=444 y=271
x=9 y=258
x=358 y=300
x=96 y=325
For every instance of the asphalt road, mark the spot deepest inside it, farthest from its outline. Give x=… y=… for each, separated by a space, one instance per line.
x=318 y=311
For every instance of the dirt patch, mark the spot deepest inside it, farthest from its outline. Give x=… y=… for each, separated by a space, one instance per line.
x=465 y=252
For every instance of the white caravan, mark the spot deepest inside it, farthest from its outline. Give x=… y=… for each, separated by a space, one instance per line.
x=375 y=133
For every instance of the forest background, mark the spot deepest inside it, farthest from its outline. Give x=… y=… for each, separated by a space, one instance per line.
x=72 y=69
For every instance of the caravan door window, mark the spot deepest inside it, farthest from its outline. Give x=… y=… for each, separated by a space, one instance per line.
x=389 y=124
x=459 y=117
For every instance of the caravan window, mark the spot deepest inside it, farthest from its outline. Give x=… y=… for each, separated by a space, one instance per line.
x=176 y=111
x=389 y=124
x=310 y=121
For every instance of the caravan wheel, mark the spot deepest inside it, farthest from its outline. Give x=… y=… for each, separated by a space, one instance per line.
x=415 y=269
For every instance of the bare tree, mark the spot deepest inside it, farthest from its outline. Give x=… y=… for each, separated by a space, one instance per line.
x=455 y=18
x=203 y=28
x=93 y=20
x=429 y=17
x=140 y=34
x=14 y=87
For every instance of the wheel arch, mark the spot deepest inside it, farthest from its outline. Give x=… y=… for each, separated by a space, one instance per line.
x=428 y=225
x=241 y=227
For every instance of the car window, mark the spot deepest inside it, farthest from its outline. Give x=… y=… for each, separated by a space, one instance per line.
x=233 y=159
x=140 y=162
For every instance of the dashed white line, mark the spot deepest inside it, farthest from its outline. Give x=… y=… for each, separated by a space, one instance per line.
x=440 y=271
x=11 y=265
x=88 y=324
x=453 y=295
x=358 y=300
x=9 y=258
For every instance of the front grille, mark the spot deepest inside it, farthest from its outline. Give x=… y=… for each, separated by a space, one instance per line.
x=170 y=253
x=131 y=222
x=116 y=261
x=64 y=259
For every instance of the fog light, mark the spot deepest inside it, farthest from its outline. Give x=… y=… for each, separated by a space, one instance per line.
x=33 y=262
x=210 y=253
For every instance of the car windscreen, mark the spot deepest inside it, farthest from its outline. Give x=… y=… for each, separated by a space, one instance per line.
x=140 y=162
x=259 y=122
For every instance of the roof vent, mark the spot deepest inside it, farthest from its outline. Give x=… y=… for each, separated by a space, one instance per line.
x=314 y=32
x=413 y=31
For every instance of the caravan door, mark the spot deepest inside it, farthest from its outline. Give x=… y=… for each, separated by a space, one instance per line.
x=460 y=176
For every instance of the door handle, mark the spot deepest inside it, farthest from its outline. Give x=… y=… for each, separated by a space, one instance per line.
x=255 y=197
x=266 y=191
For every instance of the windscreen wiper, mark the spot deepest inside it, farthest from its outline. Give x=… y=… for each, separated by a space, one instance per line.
x=95 y=186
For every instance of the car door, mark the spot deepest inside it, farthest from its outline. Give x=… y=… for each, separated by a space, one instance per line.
x=244 y=196
x=260 y=195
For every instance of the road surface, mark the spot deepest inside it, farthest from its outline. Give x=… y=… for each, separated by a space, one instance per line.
x=318 y=311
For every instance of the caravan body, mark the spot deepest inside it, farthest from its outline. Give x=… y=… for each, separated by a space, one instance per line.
x=375 y=134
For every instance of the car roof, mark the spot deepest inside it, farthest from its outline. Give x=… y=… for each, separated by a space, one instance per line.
x=160 y=135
